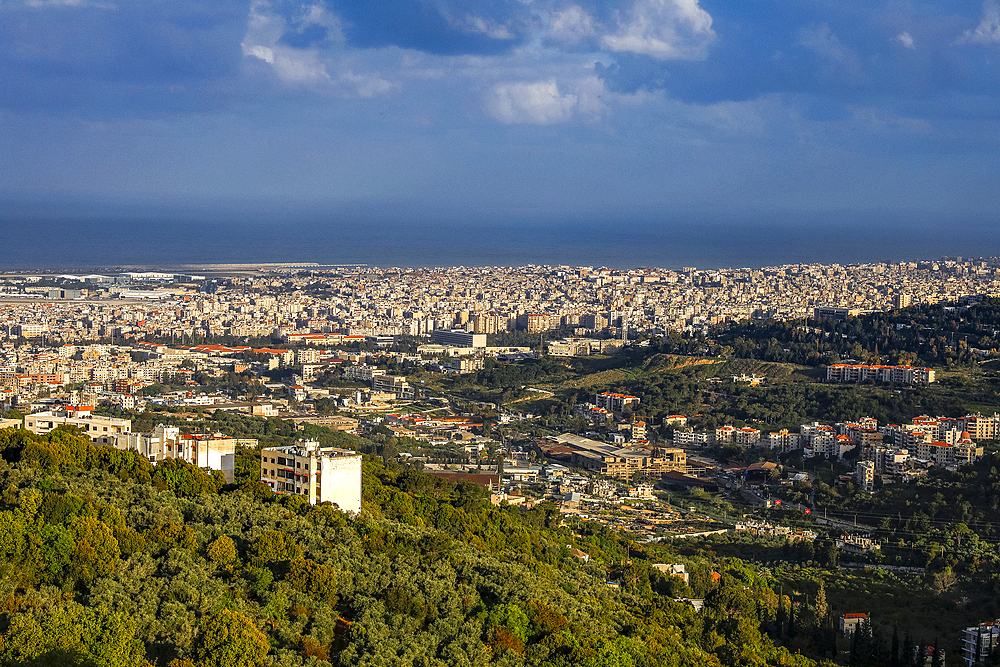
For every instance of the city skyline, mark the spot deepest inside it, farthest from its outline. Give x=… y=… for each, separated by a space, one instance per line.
x=672 y=112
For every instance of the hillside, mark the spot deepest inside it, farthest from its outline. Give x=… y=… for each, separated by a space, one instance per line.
x=108 y=561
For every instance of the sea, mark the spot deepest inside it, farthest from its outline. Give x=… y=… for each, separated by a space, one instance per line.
x=74 y=236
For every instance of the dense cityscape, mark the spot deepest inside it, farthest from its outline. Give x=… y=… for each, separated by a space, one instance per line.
x=498 y=379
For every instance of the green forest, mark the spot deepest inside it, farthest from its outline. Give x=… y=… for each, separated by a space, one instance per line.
x=109 y=561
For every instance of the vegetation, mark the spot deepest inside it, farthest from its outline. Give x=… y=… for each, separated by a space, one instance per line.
x=109 y=561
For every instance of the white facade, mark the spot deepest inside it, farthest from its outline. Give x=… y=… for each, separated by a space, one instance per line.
x=322 y=474
x=215 y=452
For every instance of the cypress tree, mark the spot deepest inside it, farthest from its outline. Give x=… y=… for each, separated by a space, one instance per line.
x=820 y=608
x=894 y=650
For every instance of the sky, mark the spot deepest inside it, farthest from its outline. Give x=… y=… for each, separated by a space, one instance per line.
x=500 y=109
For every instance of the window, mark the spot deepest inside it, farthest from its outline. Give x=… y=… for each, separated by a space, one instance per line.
x=281 y=461
x=298 y=465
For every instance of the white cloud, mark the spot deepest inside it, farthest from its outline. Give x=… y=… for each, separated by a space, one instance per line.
x=664 y=29
x=264 y=53
x=306 y=66
x=477 y=24
x=906 y=40
x=571 y=25
x=366 y=85
x=844 y=64
x=988 y=30
x=538 y=103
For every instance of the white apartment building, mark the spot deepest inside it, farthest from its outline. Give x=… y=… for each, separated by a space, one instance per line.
x=363 y=373
x=685 y=438
x=724 y=435
x=322 y=474
x=215 y=452
x=102 y=430
x=895 y=374
x=746 y=437
x=864 y=475
x=979 y=642
x=783 y=441
x=943 y=454
x=615 y=402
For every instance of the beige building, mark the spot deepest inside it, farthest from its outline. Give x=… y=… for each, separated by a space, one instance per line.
x=322 y=474
x=102 y=430
x=621 y=462
x=849 y=622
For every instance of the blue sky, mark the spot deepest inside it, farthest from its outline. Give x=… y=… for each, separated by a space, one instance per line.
x=520 y=108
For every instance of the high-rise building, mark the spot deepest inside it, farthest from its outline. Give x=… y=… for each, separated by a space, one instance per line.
x=901 y=300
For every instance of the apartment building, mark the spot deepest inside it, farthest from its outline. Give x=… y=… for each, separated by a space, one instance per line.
x=783 y=441
x=321 y=474
x=363 y=372
x=980 y=641
x=615 y=402
x=205 y=450
x=746 y=437
x=864 y=475
x=689 y=438
x=101 y=430
x=725 y=435
x=393 y=384
x=895 y=374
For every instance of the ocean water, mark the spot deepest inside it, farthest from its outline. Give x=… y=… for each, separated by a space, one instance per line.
x=79 y=236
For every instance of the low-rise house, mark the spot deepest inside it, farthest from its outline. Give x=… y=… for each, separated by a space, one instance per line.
x=849 y=622
x=673 y=570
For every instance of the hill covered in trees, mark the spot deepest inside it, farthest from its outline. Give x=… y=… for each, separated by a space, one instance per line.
x=107 y=560
x=932 y=335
